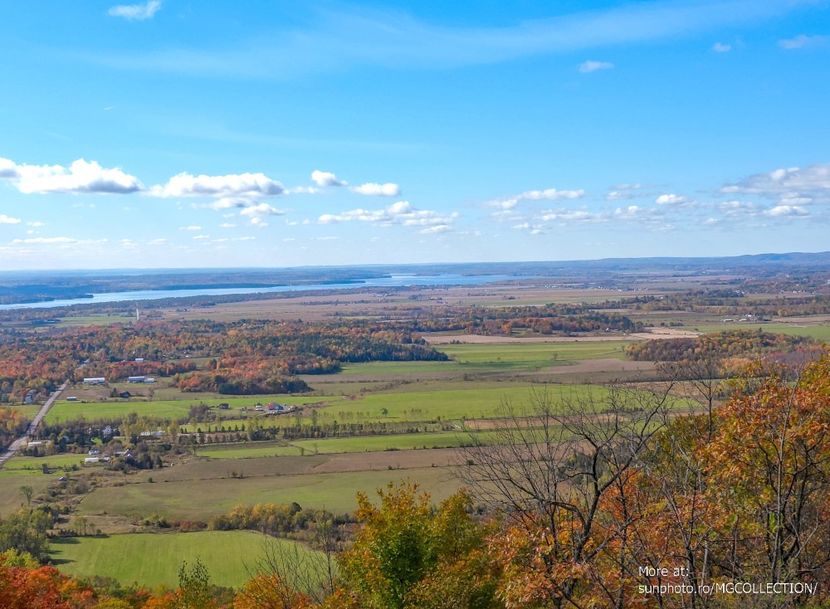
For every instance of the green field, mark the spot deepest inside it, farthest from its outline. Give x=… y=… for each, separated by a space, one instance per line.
x=204 y=499
x=11 y=499
x=448 y=401
x=154 y=559
x=166 y=409
x=816 y=331
x=35 y=464
x=341 y=445
x=29 y=410
x=532 y=355
x=492 y=358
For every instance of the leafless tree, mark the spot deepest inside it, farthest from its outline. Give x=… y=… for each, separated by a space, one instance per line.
x=556 y=461
x=297 y=569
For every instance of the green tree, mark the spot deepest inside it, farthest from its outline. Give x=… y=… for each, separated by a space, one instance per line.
x=409 y=554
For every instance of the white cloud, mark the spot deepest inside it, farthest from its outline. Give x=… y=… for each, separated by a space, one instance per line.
x=378 y=190
x=302 y=190
x=326 y=178
x=136 y=12
x=533 y=229
x=226 y=186
x=59 y=241
x=786 y=211
x=435 y=230
x=4 y=219
x=400 y=213
x=193 y=228
x=261 y=209
x=548 y=194
x=671 y=199
x=623 y=191
x=227 y=225
x=586 y=67
x=8 y=169
x=81 y=176
x=739 y=208
x=721 y=47
x=201 y=237
x=787 y=183
x=575 y=215
x=801 y=41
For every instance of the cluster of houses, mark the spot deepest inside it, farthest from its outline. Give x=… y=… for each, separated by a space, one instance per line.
x=274 y=408
x=100 y=380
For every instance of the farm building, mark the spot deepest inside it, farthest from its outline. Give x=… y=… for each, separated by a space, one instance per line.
x=95 y=380
x=136 y=379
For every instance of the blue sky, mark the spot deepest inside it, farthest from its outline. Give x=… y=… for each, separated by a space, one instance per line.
x=176 y=133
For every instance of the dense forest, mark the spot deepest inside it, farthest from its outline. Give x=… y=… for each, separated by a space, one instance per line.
x=733 y=343
x=242 y=357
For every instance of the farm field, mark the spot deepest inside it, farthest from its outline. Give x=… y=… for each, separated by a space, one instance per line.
x=491 y=358
x=204 y=499
x=11 y=480
x=816 y=331
x=153 y=559
x=170 y=409
x=449 y=401
x=35 y=464
x=387 y=442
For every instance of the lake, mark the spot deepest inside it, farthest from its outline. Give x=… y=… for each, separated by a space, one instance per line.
x=391 y=281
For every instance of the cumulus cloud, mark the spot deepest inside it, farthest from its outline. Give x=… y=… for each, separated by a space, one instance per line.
x=671 y=199
x=136 y=12
x=548 y=194
x=786 y=211
x=4 y=219
x=402 y=213
x=574 y=215
x=533 y=229
x=260 y=209
x=193 y=228
x=232 y=185
x=326 y=178
x=801 y=41
x=792 y=183
x=375 y=189
x=586 y=67
x=81 y=176
x=739 y=208
x=623 y=191
x=721 y=47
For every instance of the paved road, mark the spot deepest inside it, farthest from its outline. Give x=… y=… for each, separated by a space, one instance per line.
x=23 y=440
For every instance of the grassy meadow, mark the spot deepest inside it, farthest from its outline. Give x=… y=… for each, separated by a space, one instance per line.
x=200 y=499
x=153 y=559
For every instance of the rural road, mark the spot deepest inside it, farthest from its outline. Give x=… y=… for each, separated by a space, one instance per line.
x=24 y=439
